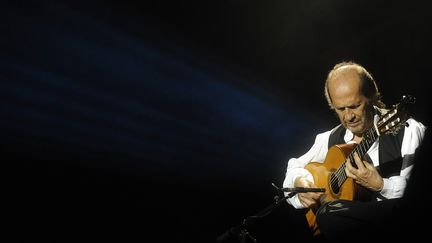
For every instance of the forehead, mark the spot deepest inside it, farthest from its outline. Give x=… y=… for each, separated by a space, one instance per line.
x=348 y=100
x=345 y=87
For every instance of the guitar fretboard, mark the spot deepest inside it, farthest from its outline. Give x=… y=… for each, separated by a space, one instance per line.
x=369 y=137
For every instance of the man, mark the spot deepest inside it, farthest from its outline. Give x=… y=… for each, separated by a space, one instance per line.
x=383 y=170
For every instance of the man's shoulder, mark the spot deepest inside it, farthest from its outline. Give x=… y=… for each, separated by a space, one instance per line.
x=415 y=125
x=326 y=134
x=415 y=122
x=337 y=128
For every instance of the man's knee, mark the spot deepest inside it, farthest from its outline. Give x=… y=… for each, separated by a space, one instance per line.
x=333 y=219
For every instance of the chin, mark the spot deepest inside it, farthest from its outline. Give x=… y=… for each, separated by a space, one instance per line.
x=356 y=130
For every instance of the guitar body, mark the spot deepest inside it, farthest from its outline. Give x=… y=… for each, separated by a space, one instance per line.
x=322 y=174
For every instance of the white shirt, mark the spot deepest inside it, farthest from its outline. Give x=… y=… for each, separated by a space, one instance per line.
x=394 y=186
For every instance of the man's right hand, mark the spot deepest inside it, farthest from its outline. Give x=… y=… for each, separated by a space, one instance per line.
x=308 y=199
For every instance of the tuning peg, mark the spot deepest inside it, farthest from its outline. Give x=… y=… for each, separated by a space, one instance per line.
x=409 y=99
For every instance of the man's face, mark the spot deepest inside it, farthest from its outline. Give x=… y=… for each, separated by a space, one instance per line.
x=352 y=113
x=350 y=105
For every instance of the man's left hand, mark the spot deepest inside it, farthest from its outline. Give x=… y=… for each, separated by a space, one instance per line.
x=366 y=174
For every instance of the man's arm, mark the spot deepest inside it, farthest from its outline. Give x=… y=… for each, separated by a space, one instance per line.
x=295 y=168
x=394 y=186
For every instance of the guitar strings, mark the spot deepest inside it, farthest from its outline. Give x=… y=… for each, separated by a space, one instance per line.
x=339 y=177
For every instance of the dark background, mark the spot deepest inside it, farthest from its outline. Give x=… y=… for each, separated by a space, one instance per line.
x=169 y=120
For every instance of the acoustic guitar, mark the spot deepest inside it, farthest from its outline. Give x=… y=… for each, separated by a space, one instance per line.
x=331 y=175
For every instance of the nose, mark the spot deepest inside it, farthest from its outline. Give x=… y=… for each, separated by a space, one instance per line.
x=349 y=115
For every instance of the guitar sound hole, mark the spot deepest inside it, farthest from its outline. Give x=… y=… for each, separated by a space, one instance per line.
x=334 y=183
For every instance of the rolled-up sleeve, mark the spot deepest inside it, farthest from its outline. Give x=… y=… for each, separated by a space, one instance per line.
x=295 y=167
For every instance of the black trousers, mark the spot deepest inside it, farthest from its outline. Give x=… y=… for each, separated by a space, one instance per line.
x=342 y=219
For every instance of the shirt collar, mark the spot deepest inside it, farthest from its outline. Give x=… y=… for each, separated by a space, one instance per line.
x=350 y=136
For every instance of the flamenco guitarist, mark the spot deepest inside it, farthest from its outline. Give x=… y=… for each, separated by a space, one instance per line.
x=381 y=166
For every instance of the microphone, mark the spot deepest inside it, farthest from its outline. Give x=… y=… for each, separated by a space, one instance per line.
x=298 y=189
x=302 y=189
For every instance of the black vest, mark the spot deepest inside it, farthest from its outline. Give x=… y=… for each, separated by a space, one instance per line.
x=390 y=158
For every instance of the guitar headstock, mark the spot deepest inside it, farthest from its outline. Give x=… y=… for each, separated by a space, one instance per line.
x=392 y=121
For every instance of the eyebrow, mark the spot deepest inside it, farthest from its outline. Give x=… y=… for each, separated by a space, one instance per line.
x=349 y=106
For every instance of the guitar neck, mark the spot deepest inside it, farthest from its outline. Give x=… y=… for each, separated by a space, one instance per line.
x=369 y=137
